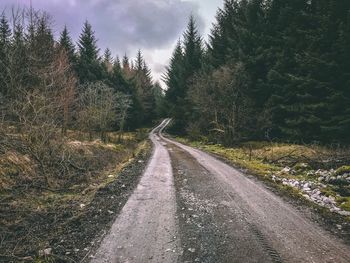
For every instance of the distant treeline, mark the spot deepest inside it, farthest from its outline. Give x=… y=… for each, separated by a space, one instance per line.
x=272 y=69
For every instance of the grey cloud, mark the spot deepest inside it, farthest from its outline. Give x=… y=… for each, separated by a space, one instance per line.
x=122 y=25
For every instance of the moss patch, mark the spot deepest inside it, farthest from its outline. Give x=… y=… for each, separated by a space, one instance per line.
x=342 y=170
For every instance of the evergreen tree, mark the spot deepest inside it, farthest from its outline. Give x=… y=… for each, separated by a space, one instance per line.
x=192 y=49
x=5 y=32
x=66 y=42
x=139 y=61
x=117 y=63
x=18 y=64
x=43 y=40
x=174 y=76
x=179 y=75
x=126 y=67
x=88 y=66
x=143 y=87
x=40 y=48
x=107 y=57
x=107 y=64
x=118 y=81
x=159 y=98
x=5 y=38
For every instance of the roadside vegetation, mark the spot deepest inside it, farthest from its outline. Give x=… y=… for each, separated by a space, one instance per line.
x=318 y=173
x=41 y=199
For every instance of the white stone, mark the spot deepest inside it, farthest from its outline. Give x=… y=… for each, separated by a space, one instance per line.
x=286 y=169
x=344 y=213
x=45 y=252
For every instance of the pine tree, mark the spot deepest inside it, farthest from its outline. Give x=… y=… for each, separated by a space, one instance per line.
x=87 y=44
x=190 y=62
x=117 y=65
x=192 y=48
x=44 y=41
x=107 y=56
x=40 y=47
x=118 y=81
x=148 y=94
x=5 y=38
x=159 y=98
x=175 y=80
x=174 y=75
x=143 y=87
x=5 y=32
x=66 y=42
x=107 y=61
x=139 y=61
x=88 y=66
x=18 y=64
x=126 y=67
x=223 y=38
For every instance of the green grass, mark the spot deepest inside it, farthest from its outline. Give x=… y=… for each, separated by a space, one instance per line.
x=342 y=170
x=345 y=203
x=239 y=156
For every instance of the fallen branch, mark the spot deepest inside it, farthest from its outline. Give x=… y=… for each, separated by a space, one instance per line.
x=285 y=156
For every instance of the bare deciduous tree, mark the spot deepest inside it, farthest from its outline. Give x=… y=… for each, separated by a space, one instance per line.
x=97 y=108
x=123 y=104
x=221 y=97
x=66 y=83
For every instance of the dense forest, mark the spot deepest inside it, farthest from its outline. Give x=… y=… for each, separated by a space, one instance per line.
x=271 y=70
x=49 y=83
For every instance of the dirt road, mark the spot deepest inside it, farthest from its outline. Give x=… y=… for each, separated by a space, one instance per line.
x=146 y=229
x=191 y=207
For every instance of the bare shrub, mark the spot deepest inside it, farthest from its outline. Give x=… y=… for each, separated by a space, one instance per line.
x=97 y=104
x=222 y=100
x=123 y=104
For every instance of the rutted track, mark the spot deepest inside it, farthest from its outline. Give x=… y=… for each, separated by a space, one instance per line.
x=191 y=207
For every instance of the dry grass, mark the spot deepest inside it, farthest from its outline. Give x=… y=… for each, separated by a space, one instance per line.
x=75 y=175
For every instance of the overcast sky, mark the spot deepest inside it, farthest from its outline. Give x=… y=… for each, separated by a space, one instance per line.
x=154 y=26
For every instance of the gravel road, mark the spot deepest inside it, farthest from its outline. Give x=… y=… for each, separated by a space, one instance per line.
x=191 y=207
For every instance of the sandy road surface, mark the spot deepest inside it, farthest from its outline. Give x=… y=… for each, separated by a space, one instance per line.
x=191 y=207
